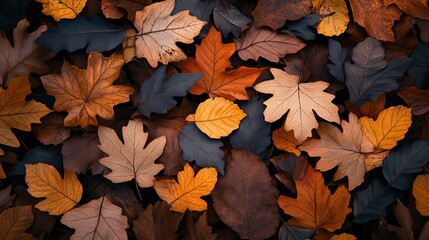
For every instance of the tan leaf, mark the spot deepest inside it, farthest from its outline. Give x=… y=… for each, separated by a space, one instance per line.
x=14 y=221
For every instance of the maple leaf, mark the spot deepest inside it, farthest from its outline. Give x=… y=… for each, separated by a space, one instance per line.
x=98 y=219
x=414 y=8
x=61 y=194
x=345 y=149
x=85 y=93
x=301 y=99
x=315 y=207
x=335 y=16
x=131 y=159
x=62 y=9
x=421 y=194
x=217 y=117
x=212 y=58
x=185 y=194
x=158 y=32
x=14 y=221
x=15 y=112
x=23 y=57
x=389 y=128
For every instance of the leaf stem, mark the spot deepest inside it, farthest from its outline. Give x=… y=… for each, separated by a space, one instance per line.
x=138 y=191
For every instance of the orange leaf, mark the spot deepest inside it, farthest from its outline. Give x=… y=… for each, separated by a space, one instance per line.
x=315 y=207
x=286 y=141
x=212 y=58
x=86 y=93
x=421 y=194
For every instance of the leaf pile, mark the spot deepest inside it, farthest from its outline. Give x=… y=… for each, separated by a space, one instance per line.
x=214 y=119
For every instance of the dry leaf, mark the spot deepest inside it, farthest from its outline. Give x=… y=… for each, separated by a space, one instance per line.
x=217 y=117
x=111 y=10
x=158 y=32
x=301 y=99
x=61 y=194
x=344 y=149
x=389 y=128
x=370 y=108
x=266 y=43
x=24 y=56
x=416 y=98
x=343 y=236
x=212 y=58
x=187 y=192
x=421 y=194
x=98 y=219
x=334 y=16
x=131 y=159
x=14 y=221
x=86 y=93
x=315 y=207
x=198 y=230
x=286 y=141
x=15 y=112
x=52 y=130
x=414 y=8
x=403 y=215
x=62 y=9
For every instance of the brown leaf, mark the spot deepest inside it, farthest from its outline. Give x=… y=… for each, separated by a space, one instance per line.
x=6 y=200
x=245 y=198
x=403 y=216
x=406 y=39
x=199 y=229
x=81 y=153
x=376 y=18
x=52 y=130
x=286 y=141
x=122 y=196
x=370 y=108
x=424 y=233
x=416 y=98
x=414 y=8
x=274 y=13
x=157 y=222
x=111 y=10
x=291 y=168
x=14 y=221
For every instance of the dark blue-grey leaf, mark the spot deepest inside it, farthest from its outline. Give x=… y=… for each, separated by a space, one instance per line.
x=370 y=75
x=419 y=70
x=303 y=28
x=371 y=203
x=205 y=151
x=202 y=9
x=253 y=133
x=94 y=33
x=42 y=154
x=404 y=162
x=11 y=12
x=156 y=93
x=294 y=233
x=229 y=20
x=337 y=55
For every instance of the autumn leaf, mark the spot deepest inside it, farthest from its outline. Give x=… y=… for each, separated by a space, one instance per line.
x=86 y=93
x=217 y=117
x=343 y=236
x=62 y=9
x=315 y=207
x=131 y=159
x=212 y=58
x=389 y=128
x=23 y=56
x=52 y=130
x=98 y=219
x=199 y=229
x=14 y=221
x=286 y=141
x=414 y=8
x=344 y=149
x=186 y=193
x=334 y=16
x=421 y=194
x=158 y=32
x=61 y=194
x=15 y=112
x=416 y=98
x=301 y=99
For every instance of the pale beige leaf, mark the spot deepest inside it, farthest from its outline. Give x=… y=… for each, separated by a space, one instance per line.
x=14 y=221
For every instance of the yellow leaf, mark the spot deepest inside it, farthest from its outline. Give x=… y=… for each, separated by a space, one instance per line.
x=158 y=32
x=62 y=9
x=217 y=117
x=187 y=192
x=286 y=141
x=14 y=221
x=389 y=128
x=421 y=194
x=131 y=159
x=61 y=194
x=343 y=236
x=334 y=16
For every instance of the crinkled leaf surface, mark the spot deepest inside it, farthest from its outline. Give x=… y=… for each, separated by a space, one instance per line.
x=335 y=16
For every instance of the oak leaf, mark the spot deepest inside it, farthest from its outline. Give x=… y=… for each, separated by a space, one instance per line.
x=131 y=159
x=199 y=229
x=212 y=58
x=344 y=149
x=414 y=8
x=334 y=16
x=23 y=57
x=62 y=9
x=86 y=93
x=315 y=207
x=186 y=193
x=286 y=141
x=98 y=219
x=217 y=117
x=416 y=98
x=15 y=112
x=61 y=194
x=301 y=99
x=158 y=32
x=389 y=128
x=421 y=194
x=14 y=221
